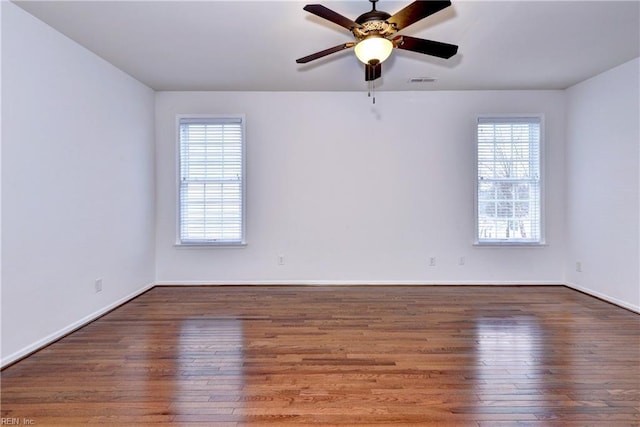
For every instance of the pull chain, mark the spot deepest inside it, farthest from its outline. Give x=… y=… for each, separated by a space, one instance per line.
x=372 y=90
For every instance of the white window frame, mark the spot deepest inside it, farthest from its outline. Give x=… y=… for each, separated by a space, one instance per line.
x=541 y=180
x=241 y=242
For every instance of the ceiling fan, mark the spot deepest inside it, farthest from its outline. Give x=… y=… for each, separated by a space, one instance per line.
x=375 y=33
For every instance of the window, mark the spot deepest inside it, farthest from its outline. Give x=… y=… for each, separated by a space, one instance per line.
x=508 y=196
x=211 y=190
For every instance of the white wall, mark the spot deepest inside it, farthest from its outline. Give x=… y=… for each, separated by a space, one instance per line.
x=603 y=190
x=77 y=184
x=349 y=192
x=1 y=186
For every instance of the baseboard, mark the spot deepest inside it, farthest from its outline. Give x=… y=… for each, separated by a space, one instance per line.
x=353 y=283
x=604 y=297
x=26 y=351
x=575 y=287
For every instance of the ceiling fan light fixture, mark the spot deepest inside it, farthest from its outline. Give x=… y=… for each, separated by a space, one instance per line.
x=373 y=48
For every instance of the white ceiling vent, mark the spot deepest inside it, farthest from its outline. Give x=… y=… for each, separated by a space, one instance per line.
x=422 y=80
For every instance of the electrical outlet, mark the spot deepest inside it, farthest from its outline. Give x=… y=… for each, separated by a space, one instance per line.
x=98 y=285
x=432 y=261
x=461 y=261
x=280 y=259
x=578 y=266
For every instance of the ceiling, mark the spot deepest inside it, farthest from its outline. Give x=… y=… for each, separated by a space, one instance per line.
x=253 y=45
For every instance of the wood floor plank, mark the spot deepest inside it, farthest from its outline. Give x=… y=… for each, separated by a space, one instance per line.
x=363 y=355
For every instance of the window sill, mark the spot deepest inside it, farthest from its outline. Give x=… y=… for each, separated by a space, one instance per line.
x=205 y=245
x=506 y=244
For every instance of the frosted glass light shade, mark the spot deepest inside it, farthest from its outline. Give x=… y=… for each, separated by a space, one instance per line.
x=373 y=48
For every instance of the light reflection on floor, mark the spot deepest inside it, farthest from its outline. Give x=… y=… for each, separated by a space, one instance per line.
x=507 y=339
x=210 y=367
x=510 y=350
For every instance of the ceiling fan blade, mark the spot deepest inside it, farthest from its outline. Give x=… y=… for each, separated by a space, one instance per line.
x=330 y=15
x=372 y=72
x=416 y=11
x=325 y=52
x=428 y=47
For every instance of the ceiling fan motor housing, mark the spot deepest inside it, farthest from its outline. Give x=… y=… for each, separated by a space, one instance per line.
x=373 y=23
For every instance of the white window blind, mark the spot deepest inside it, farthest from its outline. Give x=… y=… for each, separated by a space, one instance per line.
x=508 y=185
x=211 y=180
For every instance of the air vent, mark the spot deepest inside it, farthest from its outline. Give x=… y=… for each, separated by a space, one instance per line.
x=422 y=80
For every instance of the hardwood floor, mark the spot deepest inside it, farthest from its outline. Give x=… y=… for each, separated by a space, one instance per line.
x=446 y=356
